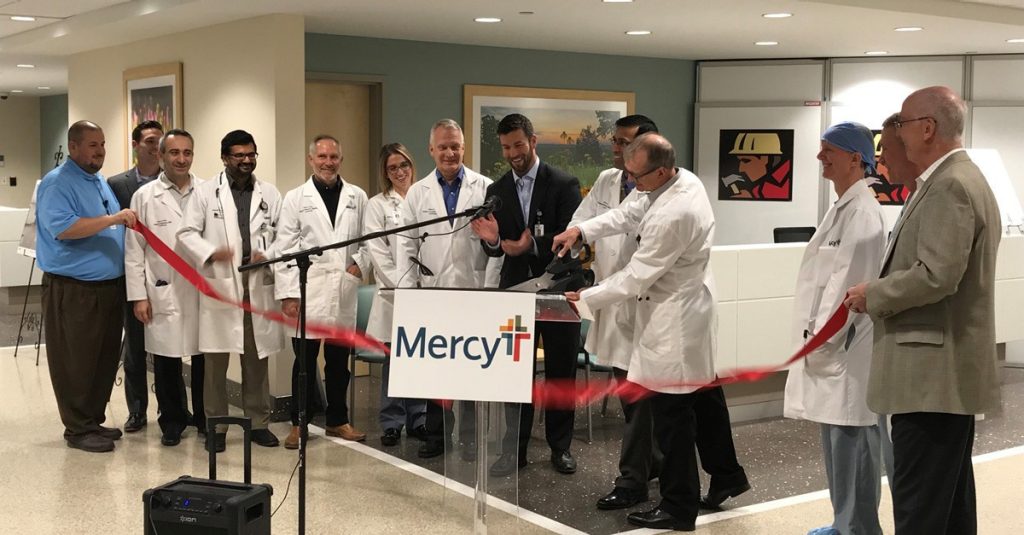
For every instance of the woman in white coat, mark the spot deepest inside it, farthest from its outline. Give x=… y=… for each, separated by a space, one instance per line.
x=830 y=385
x=324 y=210
x=166 y=303
x=384 y=212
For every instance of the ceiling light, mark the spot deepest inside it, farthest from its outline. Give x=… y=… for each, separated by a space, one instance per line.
x=1015 y=40
x=638 y=32
x=526 y=12
x=43 y=87
x=617 y=1
x=487 y=20
x=766 y=43
x=908 y=29
x=876 y=53
x=16 y=91
x=21 y=18
x=777 y=15
x=26 y=66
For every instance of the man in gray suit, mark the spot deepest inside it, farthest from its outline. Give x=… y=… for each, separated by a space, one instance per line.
x=145 y=144
x=933 y=363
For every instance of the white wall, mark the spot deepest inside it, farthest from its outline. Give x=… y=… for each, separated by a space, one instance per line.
x=19 y=143
x=247 y=74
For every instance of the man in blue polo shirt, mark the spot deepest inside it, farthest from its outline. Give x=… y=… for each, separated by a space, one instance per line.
x=80 y=248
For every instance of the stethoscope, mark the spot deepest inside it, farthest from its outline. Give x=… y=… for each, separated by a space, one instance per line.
x=265 y=227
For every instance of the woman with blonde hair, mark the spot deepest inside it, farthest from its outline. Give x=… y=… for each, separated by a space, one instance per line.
x=383 y=212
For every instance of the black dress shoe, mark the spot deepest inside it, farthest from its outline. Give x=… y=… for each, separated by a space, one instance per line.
x=621 y=498
x=419 y=433
x=93 y=443
x=506 y=464
x=109 y=432
x=658 y=518
x=468 y=452
x=390 y=437
x=563 y=462
x=171 y=436
x=715 y=497
x=136 y=421
x=264 y=438
x=219 y=440
x=431 y=448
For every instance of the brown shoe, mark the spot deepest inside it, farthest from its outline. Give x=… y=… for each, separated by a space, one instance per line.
x=292 y=441
x=346 y=432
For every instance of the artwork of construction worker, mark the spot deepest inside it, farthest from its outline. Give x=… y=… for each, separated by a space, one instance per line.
x=885 y=191
x=765 y=172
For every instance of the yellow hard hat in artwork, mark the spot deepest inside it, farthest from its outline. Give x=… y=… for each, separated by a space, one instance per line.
x=878 y=145
x=757 y=143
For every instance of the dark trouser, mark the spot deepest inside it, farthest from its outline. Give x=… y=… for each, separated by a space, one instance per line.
x=933 y=484
x=83 y=333
x=640 y=458
x=398 y=412
x=336 y=377
x=675 y=428
x=714 y=439
x=561 y=344
x=133 y=354
x=171 y=399
x=440 y=421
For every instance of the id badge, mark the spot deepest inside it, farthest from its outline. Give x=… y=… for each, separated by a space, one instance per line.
x=538 y=230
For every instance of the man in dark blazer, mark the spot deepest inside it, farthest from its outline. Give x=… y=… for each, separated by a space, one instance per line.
x=933 y=365
x=537 y=202
x=145 y=144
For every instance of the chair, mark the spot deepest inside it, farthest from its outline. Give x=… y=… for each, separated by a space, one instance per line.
x=365 y=302
x=586 y=361
x=793 y=234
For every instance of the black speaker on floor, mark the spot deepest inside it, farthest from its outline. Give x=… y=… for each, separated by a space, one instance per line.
x=195 y=506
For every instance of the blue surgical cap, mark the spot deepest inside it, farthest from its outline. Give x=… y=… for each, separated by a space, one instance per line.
x=853 y=137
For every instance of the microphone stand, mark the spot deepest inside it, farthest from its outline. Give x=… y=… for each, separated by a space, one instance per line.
x=302 y=262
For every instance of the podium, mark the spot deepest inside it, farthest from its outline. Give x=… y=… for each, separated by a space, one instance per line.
x=472 y=346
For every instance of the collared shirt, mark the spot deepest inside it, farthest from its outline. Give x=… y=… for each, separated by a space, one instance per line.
x=241 y=192
x=931 y=168
x=143 y=179
x=330 y=195
x=653 y=195
x=67 y=194
x=626 y=187
x=451 y=191
x=179 y=195
x=524 y=187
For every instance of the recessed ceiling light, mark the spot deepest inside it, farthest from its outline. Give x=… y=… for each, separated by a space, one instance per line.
x=638 y=32
x=1015 y=40
x=16 y=91
x=617 y=1
x=526 y=12
x=21 y=18
x=908 y=29
x=876 y=53
x=766 y=43
x=26 y=66
x=487 y=20
x=777 y=15
x=44 y=87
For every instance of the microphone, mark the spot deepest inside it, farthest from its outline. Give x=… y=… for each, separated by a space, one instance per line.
x=491 y=205
x=424 y=270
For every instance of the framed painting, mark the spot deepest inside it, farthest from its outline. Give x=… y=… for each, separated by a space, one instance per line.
x=152 y=93
x=574 y=127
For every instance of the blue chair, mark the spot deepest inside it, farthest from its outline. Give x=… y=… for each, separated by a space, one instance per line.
x=365 y=302
x=586 y=361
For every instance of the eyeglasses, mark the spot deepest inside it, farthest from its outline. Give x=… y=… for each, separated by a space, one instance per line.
x=392 y=169
x=637 y=176
x=900 y=122
x=243 y=155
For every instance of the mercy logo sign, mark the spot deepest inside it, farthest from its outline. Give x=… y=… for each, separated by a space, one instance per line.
x=481 y=349
x=478 y=345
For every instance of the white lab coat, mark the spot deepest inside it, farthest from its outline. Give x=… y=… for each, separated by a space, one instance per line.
x=611 y=333
x=331 y=292
x=457 y=260
x=830 y=385
x=674 y=332
x=383 y=212
x=209 y=222
x=173 y=330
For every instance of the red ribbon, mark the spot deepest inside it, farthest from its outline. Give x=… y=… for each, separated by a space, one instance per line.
x=333 y=334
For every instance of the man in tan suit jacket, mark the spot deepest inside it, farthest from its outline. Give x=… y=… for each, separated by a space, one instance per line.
x=933 y=363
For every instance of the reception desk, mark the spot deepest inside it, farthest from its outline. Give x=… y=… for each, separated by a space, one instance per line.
x=755 y=287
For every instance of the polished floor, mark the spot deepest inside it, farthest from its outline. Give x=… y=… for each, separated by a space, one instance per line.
x=367 y=488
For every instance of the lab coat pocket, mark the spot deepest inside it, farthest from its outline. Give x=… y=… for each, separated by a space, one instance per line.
x=162 y=299
x=225 y=288
x=349 y=293
x=826 y=362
